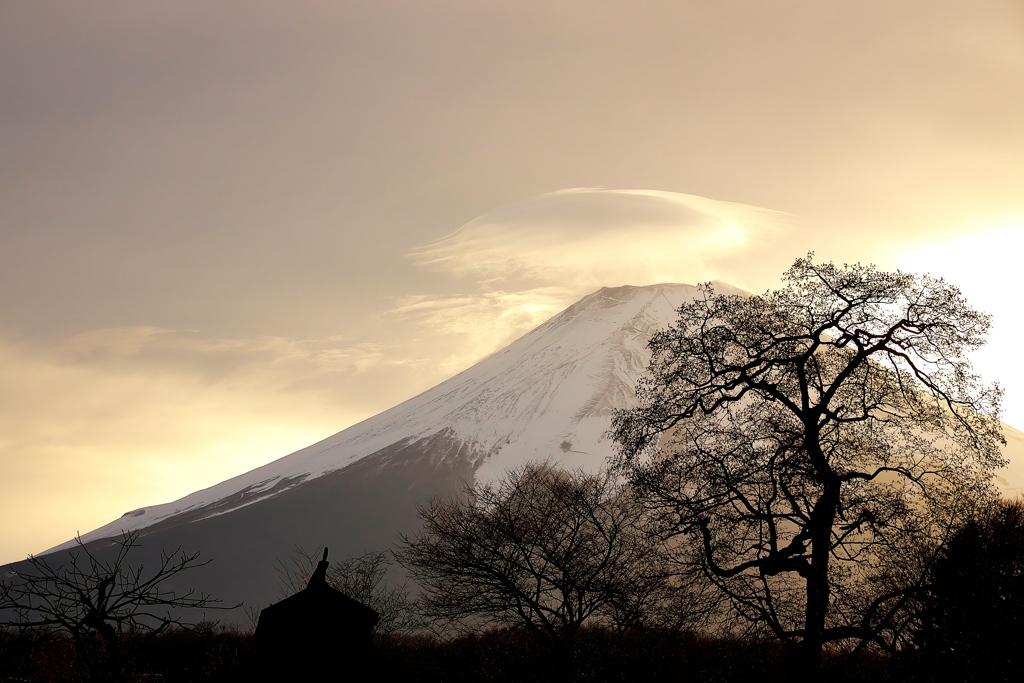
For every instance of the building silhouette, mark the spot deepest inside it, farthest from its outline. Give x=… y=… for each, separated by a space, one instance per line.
x=318 y=631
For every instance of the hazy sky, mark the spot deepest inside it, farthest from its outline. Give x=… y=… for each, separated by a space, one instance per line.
x=228 y=228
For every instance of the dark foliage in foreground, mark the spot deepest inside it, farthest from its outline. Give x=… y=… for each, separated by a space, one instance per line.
x=507 y=656
x=972 y=622
x=215 y=655
x=208 y=654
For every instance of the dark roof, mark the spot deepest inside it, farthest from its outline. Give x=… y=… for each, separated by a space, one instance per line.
x=326 y=601
x=318 y=605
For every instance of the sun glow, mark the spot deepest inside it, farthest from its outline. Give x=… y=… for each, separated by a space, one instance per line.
x=985 y=262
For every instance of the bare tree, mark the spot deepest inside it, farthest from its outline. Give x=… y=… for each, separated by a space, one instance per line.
x=802 y=444
x=546 y=549
x=97 y=602
x=363 y=578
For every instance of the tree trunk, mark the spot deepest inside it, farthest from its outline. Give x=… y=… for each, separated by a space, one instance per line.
x=565 y=656
x=822 y=518
x=106 y=661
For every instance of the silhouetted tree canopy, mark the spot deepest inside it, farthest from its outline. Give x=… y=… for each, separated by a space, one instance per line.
x=972 y=622
x=808 y=446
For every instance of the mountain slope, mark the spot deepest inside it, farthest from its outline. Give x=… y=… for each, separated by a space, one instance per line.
x=550 y=393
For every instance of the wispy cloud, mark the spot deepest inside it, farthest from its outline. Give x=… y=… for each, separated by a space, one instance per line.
x=474 y=325
x=116 y=418
x=219 y=357
x=521 y=264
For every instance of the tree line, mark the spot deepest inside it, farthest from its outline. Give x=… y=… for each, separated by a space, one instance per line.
x=807 y=475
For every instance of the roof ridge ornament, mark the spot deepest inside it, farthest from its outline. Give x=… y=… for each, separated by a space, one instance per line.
x=319 y=577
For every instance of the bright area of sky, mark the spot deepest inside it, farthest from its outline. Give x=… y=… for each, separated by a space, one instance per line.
x=223 y=224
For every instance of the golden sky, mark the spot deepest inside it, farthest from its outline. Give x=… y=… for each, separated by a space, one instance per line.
x=229 y=229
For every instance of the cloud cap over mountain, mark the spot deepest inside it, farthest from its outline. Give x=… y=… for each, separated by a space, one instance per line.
x=595 y=236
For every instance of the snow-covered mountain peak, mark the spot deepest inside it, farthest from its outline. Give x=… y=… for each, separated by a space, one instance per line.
x=549 y=394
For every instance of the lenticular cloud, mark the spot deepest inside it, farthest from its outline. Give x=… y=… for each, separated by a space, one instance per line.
x=590 y=237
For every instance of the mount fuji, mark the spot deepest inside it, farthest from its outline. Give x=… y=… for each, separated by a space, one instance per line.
x=547 y=396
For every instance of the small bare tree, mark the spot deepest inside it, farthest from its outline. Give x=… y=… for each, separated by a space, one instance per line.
x=98 y=602
x=547 y=549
